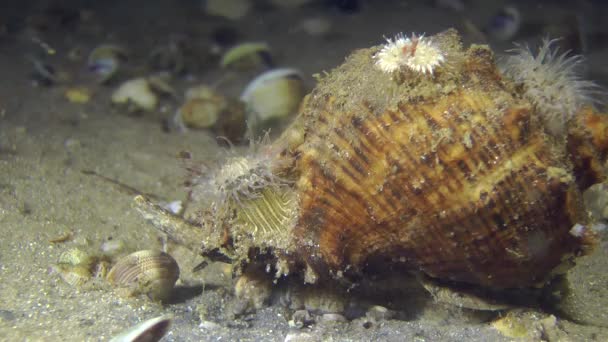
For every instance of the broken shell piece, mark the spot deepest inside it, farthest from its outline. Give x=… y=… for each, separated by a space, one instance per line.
x=145 y=272
x=229 y=9
x=274 y=95
x=76 y=256
x=75 y=275
x=74 y=266
x=136 y=94
x=151 y=330
x=252 y=290
x=247 y=56
x=105 y=60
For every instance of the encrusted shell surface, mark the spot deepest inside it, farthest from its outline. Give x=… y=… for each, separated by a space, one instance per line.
x=453 y=174
x=145 y=272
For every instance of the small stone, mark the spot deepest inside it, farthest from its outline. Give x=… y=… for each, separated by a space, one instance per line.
x=209 y=325
x=6 y=315
x=332 y=318
x=300 y=319
x=299 y=337
x=379 y=313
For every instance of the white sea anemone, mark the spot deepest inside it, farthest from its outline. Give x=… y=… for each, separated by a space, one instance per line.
x=552 y=81
x=239 y=177
x=416 y=53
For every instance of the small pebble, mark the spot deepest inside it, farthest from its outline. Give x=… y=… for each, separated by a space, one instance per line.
x=6 y=316
x=112 y=247
x=209 y=325
x=300 y=337
x=300 y=319
x=378 y=313
x=332 y=318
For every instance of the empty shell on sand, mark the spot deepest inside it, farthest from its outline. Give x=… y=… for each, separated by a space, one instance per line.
x=247 y=56
x=273 y=96
x=206 y=108
x=202 y=107
x=149 y=272
x=148 y=331
x=104 y=61
x=75 y=266
x=136 y=95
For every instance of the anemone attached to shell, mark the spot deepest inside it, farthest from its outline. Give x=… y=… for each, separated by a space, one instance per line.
x=239 y=176
x=552 y=81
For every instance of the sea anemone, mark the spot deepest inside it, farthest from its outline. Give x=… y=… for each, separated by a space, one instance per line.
x=552 y=81
x=238 y=177
x=416 y=53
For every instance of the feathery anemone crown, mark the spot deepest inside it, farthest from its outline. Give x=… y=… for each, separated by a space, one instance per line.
x=416 y=53
x=552 y=82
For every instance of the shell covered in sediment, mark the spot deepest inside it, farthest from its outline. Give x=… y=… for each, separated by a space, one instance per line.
x=145 y=272
x=451 y=173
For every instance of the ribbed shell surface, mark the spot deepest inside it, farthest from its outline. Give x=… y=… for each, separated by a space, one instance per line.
x=465 y=187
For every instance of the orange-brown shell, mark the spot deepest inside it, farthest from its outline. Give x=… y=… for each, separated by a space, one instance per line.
x=459 y=181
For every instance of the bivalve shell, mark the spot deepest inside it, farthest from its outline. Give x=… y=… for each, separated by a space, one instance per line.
x=105 y=61
x=247 y=56
x=274 y=95
x=136 y=94
x=145 y=272
x=75 y=266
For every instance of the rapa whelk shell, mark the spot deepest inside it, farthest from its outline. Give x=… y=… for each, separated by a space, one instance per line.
x=452 y=175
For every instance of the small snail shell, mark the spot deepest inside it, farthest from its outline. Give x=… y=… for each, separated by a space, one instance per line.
x=151 y=272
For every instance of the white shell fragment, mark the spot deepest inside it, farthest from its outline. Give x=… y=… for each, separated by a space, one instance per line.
x=148 y=331
x=274 y=94
x=136 y=92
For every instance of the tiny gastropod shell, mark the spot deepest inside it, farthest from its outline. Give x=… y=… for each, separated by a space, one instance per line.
x=151 y=272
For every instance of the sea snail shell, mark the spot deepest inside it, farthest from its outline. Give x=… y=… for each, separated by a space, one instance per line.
x=451 y=173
